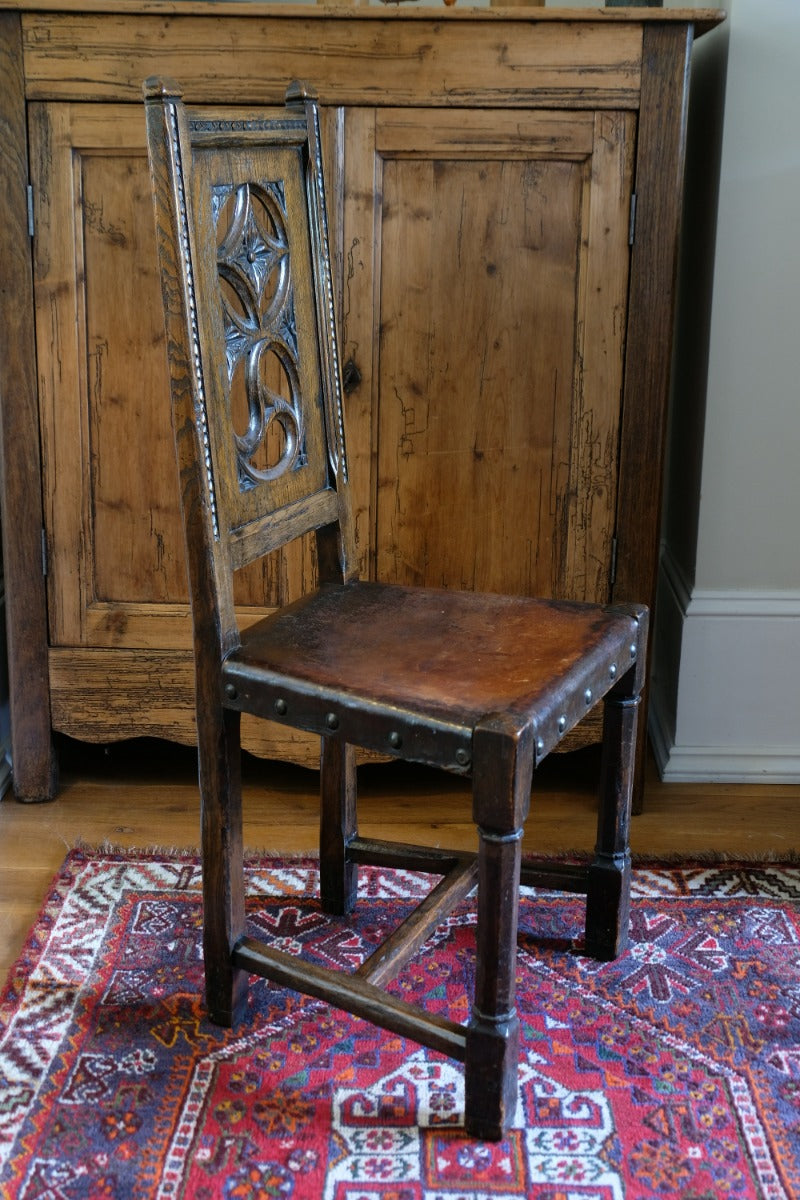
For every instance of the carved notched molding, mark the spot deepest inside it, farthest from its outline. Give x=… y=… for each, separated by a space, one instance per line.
x=333 y=392
x=197 y=367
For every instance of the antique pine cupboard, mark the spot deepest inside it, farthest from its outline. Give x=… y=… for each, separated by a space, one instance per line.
x=505 y=186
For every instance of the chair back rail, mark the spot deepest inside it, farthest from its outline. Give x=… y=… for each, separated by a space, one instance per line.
x=254 y=370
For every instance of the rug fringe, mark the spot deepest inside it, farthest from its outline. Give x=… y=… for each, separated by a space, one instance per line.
x=710 y=858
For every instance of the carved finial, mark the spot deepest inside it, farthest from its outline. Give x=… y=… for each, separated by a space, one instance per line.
x=157 y=87
x=298 y=91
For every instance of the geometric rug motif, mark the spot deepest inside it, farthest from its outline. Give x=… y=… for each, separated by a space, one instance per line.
x=673 y=1071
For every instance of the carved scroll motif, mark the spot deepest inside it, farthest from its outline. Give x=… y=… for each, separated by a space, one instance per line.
x=260 y=332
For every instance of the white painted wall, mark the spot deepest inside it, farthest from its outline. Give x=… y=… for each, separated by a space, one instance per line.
x=725 y=695
x=726 y=686
x=749 y=529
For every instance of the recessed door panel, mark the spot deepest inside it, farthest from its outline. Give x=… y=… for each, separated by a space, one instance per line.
x=499 y=270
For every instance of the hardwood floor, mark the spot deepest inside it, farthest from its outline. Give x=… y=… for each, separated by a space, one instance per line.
x=145 y=794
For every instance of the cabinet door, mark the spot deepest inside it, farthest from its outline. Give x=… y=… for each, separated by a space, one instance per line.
x=117 y=571
x=486 y=268
x=119 y=624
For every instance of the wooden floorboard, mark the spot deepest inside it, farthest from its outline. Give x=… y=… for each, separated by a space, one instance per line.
x=145 y=794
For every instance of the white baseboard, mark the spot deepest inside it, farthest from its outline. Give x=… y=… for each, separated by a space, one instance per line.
x=658 y=728
x=732 y=711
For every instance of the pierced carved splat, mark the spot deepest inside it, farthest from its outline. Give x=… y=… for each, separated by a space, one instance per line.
x=253 y=262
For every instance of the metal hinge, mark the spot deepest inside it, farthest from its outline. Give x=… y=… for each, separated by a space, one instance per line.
x=31 y=229
x=632 y=220
x=44 y=553
x=613 y=571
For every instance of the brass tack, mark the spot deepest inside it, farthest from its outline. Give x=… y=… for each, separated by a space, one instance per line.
x=395 y=740
x=633 y=651
x=539 y=746
x=281 y=707
x=462 y=758
x=230 y=691
x=562 y=724
x=587 y=695
x=332 y=720
x=612 y=670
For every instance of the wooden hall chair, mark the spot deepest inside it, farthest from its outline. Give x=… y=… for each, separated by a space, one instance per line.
x=480 y=684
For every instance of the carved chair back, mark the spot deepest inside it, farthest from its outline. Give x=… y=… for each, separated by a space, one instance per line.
x=256 y=391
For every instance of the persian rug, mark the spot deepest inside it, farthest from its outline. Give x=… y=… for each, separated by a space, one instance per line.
x=674 y=1071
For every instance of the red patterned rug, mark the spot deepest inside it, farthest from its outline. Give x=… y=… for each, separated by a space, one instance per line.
x=674 y=1071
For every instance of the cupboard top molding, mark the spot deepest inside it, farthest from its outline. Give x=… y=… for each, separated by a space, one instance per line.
x=706 y=17
x=702 y=18
x=232 y=52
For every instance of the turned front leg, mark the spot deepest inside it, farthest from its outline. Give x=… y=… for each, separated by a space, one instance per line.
x=492 y=1061
x=503 y=765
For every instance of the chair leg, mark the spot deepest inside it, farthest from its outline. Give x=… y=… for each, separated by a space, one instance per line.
x=492 y=1058
x=338 y=877
x=223 y=866
x=608 y=893
x=501 y=797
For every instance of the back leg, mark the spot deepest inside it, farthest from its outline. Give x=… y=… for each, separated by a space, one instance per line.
x=609 y=885
x=223 y=863
x=338 y=877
